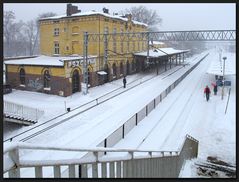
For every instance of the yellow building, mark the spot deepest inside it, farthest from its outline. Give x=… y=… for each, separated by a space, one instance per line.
x=62 y=42
x=64 y=36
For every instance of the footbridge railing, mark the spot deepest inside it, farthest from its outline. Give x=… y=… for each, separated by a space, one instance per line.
x=21 y=112
x=101 y=162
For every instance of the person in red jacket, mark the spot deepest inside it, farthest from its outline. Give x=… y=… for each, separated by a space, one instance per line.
x=207 y=92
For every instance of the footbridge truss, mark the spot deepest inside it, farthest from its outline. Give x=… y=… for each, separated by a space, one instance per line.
x=196 y=35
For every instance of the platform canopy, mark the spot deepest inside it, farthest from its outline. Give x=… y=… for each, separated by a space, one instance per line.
x=160 y=52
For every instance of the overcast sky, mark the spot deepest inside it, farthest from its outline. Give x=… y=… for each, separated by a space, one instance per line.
x=176 y=16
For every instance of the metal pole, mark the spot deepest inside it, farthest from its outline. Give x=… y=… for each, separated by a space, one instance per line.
x=105 y=49
x=85 y=63
x=223 y=80
x=147 y=47
x=65 y=105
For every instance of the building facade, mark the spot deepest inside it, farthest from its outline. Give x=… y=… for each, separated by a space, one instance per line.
x=60 y=68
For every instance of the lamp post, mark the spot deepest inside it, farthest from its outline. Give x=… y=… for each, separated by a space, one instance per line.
x=223 y=79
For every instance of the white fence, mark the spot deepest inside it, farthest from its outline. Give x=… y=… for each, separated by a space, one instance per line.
x=133 y=164
x=21 y=112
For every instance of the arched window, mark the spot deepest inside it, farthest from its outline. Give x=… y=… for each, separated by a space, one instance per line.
x=47 y=79
x=75 y=81
x=22 y=76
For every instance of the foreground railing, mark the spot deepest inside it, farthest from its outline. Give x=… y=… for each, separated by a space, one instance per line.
x=99 y=163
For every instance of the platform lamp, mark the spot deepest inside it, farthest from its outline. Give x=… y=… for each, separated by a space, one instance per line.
x=223 y=79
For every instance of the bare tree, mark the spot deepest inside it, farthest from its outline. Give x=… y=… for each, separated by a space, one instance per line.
x=148 y=16
x=21 y=38
x=31 y=34
x=43 y=15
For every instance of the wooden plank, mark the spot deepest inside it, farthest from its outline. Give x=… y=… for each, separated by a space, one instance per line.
x=71 y=171
x=57 y=171
x=38 y=172
x=95 y=170
x=103 y=170
x=84 y=173
x=118 y=169
x=112 y=170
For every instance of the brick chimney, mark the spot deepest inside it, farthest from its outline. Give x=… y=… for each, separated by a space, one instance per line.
x=70 y=9
x=105 y=10
x=129 y=16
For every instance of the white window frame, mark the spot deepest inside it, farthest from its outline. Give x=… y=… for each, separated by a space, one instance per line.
x=56 y=48
x=56 y=31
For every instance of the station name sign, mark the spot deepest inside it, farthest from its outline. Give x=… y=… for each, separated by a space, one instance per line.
x=79 y=62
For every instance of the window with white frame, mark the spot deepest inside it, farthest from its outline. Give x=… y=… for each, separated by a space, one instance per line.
x=56 y=31
x=56 y=48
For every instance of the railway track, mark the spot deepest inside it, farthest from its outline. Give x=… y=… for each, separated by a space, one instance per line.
x=154 y=128
x=92 y=104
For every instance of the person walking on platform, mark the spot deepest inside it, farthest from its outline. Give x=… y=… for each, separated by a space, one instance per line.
x=207 y=92
x=124 y=82
x=215 y=89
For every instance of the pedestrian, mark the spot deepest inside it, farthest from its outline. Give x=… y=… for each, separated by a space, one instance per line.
x=207 y=92
x=215 y=89
x=124 y=82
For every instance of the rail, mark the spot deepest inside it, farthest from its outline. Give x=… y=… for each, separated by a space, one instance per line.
x=90 y=104
x=153 y=163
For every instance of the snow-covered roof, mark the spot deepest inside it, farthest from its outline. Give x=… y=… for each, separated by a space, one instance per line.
x=156 y=43
x=93 y=13
x=101 y=73
x=44 y=60
x=160 y=52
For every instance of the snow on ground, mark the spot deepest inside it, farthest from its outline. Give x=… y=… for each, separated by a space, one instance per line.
x=215 y=130
x=161 y=130
x=54 y=105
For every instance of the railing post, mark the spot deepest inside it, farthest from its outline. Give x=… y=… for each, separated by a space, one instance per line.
x=84 y=171
x=103 y=170
x=112 y=170
x=36 y=114
x=14 y=154
x=71 y=171
x=57 y=171
x=38 y=172
x=95 y=165
x=95 y=153
x=118 y=169
x=150 y=154
x=131 y=154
